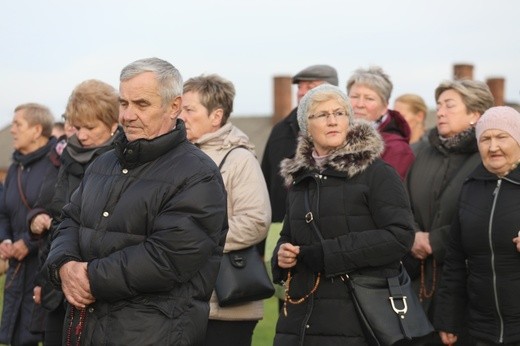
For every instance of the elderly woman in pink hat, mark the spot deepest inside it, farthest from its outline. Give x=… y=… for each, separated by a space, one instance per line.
x=481 y=277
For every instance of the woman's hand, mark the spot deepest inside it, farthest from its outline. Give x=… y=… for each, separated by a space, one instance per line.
x=287 y=255
x=448 y=338
x=37 y=295
x=421 y=246
x=40 y=224
x=6 y=249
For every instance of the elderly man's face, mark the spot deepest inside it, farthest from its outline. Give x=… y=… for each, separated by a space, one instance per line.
x=141 y=112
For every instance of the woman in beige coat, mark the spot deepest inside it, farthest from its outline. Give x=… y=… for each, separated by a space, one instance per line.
x=207 y=103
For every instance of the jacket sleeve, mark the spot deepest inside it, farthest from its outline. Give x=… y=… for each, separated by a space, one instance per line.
x=65 y=242
x=392 y=237
x=451 y=298
x=189 y=229
x=249 y=209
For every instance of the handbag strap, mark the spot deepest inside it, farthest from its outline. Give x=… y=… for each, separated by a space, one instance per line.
x=20 y=189
x=229 y=152
x=309 y=217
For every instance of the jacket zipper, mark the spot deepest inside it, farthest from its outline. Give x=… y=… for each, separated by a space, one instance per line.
x=495 y=291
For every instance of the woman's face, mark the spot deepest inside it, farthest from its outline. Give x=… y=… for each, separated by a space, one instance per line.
x=366 y=102
x=452 y=114
x=94 y=134
x=328 y=126
x=24 y=135
x=196 y=117
x=498 y=150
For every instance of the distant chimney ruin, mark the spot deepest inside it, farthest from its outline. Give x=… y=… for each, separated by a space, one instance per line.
x=462 y=71
x=282 y=97
x=497 y=87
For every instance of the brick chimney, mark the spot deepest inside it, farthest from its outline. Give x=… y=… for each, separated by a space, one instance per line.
x=462 y=71
x=282 y=97
x=497 y=86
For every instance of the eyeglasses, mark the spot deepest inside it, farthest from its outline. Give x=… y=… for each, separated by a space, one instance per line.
x=325 y=115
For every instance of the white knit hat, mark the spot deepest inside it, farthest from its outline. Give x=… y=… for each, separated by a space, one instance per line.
x=502 y=118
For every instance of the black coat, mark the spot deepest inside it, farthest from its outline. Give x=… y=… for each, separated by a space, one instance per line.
x=488 y=219
x=150 y=220
x=18 y=292
x=434 y=183
x=361 y=207
x=281 y=144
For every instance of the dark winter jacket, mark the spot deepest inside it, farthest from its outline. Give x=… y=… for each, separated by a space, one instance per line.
x=281 y=145
x=360 y=206
x=396 y=135
x=488 y=219
x=150 y=219
x=18 y=302
x=434 y=183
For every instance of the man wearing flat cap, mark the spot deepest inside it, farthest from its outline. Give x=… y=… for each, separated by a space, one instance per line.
x=282 y=140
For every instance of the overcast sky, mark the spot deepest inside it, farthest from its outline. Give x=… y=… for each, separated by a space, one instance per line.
x=48 y=47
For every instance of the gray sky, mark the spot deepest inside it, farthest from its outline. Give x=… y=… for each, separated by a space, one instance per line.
x=48 y=47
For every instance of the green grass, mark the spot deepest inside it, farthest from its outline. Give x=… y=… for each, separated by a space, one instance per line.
x=264 y=331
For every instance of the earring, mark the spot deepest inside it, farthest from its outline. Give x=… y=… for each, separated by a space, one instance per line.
x=472 y=123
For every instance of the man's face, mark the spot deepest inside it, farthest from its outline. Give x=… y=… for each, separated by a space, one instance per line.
x=141 y=112
x=305 y=85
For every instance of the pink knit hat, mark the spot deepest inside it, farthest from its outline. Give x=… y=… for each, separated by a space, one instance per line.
x=501 y=118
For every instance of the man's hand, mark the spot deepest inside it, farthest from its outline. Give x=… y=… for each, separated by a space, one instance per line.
x=421 y=246
x=448 y=338
x=40 y=224
x=75 y=284
x=287 y=255
x=19 y=250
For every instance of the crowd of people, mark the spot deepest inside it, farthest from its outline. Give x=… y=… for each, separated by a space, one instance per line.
x=114 y=222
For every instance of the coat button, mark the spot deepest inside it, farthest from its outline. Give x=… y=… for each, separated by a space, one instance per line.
x=125 y=171
x=307 y=326
x=91 y=310
x=105 y=214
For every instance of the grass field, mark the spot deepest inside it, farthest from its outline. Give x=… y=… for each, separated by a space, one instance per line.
x=264 y=331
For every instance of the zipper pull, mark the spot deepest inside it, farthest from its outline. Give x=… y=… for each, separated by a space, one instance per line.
x=499 y=182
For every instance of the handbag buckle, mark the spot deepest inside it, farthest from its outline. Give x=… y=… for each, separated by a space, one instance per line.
x=309 y=217
x=398 y=311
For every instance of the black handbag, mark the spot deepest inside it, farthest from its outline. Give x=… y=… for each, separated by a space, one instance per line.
x=388 y=308
x=242 y=278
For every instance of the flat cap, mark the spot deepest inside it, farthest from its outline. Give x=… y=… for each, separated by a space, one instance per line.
x=317 y=72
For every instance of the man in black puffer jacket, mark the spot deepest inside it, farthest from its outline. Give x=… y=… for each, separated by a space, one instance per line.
x=138 y=251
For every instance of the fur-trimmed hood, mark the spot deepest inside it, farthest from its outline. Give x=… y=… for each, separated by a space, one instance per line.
x=364 y=144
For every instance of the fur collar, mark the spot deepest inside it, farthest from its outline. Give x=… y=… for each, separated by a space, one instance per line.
x=363 y=146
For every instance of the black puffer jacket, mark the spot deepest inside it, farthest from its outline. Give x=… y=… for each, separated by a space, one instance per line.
x=488 y=219
x=362 y=210
x=434 y=183
x=150 y=220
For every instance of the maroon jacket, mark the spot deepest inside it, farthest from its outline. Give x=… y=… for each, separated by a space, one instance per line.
x=396 y=134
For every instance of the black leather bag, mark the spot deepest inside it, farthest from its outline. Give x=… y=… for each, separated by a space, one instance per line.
x=388 y=309
x=242 y=278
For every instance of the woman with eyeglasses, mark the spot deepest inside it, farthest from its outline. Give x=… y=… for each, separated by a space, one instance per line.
x=369 y=92
x=362 y=215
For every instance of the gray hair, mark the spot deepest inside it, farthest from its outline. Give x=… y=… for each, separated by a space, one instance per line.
x=321 y=93
x=168 y=77
x=37 y=114
x=475 y=95
x=374 y=78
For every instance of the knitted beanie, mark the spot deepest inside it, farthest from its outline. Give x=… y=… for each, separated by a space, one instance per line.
x=502 y=118
x=304 y=107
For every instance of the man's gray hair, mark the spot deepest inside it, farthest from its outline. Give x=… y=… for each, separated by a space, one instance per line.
x=168 y=77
